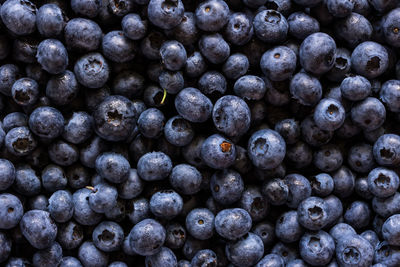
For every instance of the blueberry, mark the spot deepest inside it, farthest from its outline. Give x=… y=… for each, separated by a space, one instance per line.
x=386 y=255
x=108 y=236
x=102 y=197
x=353 y=250
x=117 y=47
x=61 y=89
x=192 y=105
x=236 y=66
x=90 y=255
x=218 y=152
x=132 y=187
x=154 y=166
x=266 y=232
x=172 y=82
x=52 y=56
x=151 y=123
x=7 y=174
x=186 y=32
x=63 y=153
x=254 y=203
x=383 y=182
x=82 y=35
x=386 y=207
x=299 y=189
x=288 y=228
x=20 y=141
x=322 y=184
x=87 y=8
x=317 y=248
x=38 y=228
x=339 y=8
x=114 y=118
x=53 y=178
x=357 y=214
x=83 y=214
x=239 y=29
x=11 y=211
x=195 y=65
x=388 y=95
x=78 y=176
x=354 y=28
x=226 y=186
x=390 y=26
x=289 y=129
x=341 y=230
x=341 y=67
x=200 y=223
x=70 y=235
x=317 y=53
x=92 y=70
x=233 y=223
x=369 y=114
x=166 y=204
x=26 y=181
x=70 y=262
x=165 y=14
x=287 y=252
x=371 y=237
x=212 y=15
x=266 y=149
x=5 y=249
x=276 y=191
x=270 y=26
x=19 y=16
x=278 y=63
x=151 y=44
x=48 y=257
x=214 y=48
x=175 y=236
x=390 y=230
x=46 y=122
x=355 y=88
x=138 y=209
x=369 y=59
x=147 y=237
x=165 y=257
x=133 y=26
x=186 y=179
x=231 y=115
x=329 y=114
x=178 y=131
x=360 y=158
x=50 y=20
x=306 y=89
x=302 y=25
x=78 y=128
x=245 y=251
x=328 y=158
x=212 y=83
x=9 y=73
x=386 y=150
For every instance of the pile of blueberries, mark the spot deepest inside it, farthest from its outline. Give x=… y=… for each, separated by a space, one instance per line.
x=186 y=133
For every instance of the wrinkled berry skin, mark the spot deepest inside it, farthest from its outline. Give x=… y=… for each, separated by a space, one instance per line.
x=38 y=228
x=82 y=35
x=115 y=118
x=52 y=56
x=266 y=149
x=19 y=16
x=231 y=115
x=192 y=105
x=117 y=47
